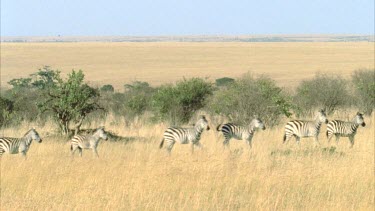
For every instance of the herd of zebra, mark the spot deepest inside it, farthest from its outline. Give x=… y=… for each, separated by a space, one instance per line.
x=297 y=128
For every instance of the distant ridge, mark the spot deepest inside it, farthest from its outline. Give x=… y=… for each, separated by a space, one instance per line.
x=197 y=38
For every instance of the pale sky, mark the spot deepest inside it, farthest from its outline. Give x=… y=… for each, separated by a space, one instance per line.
x=185 y=17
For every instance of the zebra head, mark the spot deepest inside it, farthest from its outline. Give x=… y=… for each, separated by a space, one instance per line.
x=101 y=133
x=33 y=135
x=322 y=117
x=202 y=123
x=257 y=123
x=358 y=119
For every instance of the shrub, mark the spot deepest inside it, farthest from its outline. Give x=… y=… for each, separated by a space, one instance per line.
x=25 y=98
x=251 y=97
x=107 y=88
x=224 y=81
x=6 y=109
x=132 y=103
x=323 y=91
x=177 y=103
x=137 y=98
x=364 y=89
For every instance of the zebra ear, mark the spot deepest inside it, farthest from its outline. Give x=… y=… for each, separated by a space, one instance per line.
x=359 y=113
x=203 y=117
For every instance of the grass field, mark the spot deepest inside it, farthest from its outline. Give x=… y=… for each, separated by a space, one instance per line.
x=138 y=176
x=163 y=62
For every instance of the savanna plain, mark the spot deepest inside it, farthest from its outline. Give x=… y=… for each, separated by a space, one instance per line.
x=136 y=175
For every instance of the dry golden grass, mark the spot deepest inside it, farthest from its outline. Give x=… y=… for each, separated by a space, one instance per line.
x=139 y=176
x=161 y=62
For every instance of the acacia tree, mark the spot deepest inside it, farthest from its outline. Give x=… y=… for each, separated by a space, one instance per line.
x=70 y=100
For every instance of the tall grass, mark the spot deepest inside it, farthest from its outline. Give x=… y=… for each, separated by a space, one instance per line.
x=137 y=175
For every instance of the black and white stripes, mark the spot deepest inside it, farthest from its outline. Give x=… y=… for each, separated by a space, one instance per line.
x=345 y=129
x=302 y=129
x=190 y=135
x=88 y=141
x=231 y=130
x=19 y=145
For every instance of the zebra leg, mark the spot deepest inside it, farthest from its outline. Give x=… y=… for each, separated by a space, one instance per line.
x=73 y=149
x=192 y=147
x=317 y=140
x=24 y=154
x=329 y=136
x=199 y=145
x=249 y=143
x=298 y=140
x=80 y=151
x=286 y=138
x=226 y=142
x=351 y=138
x=337 y=138
x=95 y=152
x=169 y=147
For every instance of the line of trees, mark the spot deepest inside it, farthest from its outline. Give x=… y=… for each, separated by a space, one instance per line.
x=70 y=101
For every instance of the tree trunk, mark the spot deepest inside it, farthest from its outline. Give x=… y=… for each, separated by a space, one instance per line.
x=64 y=126
x=77 y=126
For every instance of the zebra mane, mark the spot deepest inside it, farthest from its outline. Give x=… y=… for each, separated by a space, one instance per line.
x=99 y=128
x=29 y=131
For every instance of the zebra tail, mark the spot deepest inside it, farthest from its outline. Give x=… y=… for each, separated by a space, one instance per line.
x=218 y=127
x=284 y=138
x=71 y=147
x=327 y=133
x=161 y=143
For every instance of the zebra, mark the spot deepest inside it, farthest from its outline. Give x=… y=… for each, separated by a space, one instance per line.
x=88 y=141
x=190 y=135
x=231 y=130
x=302 y=129
x=345 y=129
x=19 y=145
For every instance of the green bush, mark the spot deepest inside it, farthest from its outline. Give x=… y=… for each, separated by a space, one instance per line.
x=224 y=81
x=364 y=89
x=25 y=98
x=250 y=97
x=177 y=103
x=107 y=88
x=323 y=91
x=137 y=98
x=6 y=109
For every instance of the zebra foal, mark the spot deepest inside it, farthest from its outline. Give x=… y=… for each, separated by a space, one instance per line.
x=231 y=130
x=191 y=135
x=19 y=145
x=88 y=141
x=303 y=129
x=345 y=129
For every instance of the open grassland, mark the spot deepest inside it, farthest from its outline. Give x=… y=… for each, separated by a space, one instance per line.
x=138 y=176
x=162 y=62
